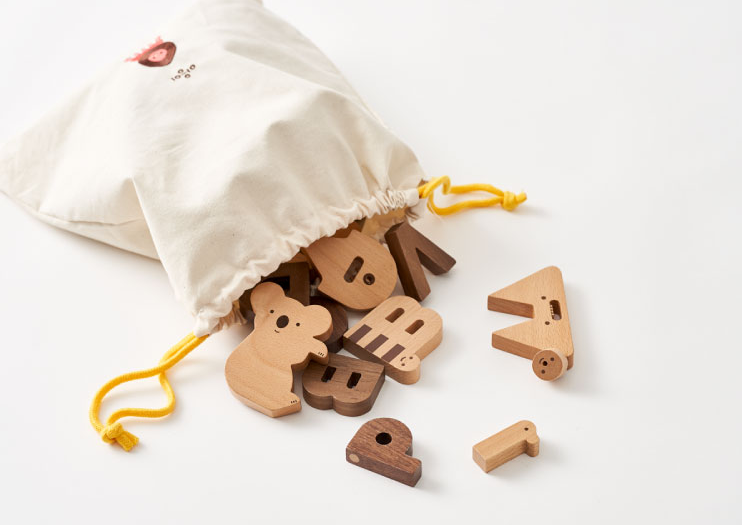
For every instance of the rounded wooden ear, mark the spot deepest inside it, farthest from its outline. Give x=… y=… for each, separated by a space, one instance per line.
x=320 y=320
x=264 y=295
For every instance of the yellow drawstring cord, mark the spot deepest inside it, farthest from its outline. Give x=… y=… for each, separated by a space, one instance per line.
x=508 y=200
x=112 y=431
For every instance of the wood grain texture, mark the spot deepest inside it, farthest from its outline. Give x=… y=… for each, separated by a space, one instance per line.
x=377 y=225
x=411 y=251
x=384 y=446
x=357 y=271
x=547 y=338
x=355 y=225
x=506 y=445
x=334 y=341
x=292 y=276
x=287 y=335
x=398 y=333
x=348 y=385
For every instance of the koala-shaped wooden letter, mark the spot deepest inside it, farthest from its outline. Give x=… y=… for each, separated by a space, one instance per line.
x=287 y=335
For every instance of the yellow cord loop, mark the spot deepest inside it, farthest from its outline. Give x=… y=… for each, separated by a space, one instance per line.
x=113 y=431
x=507 y=200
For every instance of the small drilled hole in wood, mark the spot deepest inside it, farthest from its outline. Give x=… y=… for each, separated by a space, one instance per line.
x=353 y=269
x=543 y=371
x=551 y=359
x=526 y=429
x=547 y=322
x=414 y=327
x=369 y=279
x=396 y=314
x=329 y=372
x=543 y=297
x=545 y=363
x=556 y=310
x=383 y=438
x=353 y=379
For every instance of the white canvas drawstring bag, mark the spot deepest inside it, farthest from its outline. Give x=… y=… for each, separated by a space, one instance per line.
x=220 y=149
x=223 y=173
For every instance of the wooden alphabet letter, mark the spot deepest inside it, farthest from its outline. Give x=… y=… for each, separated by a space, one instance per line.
x=357 y=271
x=398 y=333
x=506 y=445
x=348 y=385
x=411 y=251
x=384 y=446
x=286 y=335
x=547 y=338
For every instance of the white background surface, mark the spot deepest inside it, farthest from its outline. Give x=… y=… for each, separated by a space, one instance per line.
x=622 y=121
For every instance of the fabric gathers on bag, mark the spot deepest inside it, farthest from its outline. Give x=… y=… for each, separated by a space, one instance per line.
x=221 y=149
x=223 y=170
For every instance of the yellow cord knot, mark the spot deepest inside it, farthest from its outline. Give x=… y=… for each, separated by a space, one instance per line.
x=506 y=199
x=112 y=430
x=510 y=200
x=116 y=432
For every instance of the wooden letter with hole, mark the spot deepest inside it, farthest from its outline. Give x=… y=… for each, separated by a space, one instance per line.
x=398 y=334
x=357 y=271
x=347 y=384
x=384 y=446
x=547 y=338
x=411 y=251
x=506 y=445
